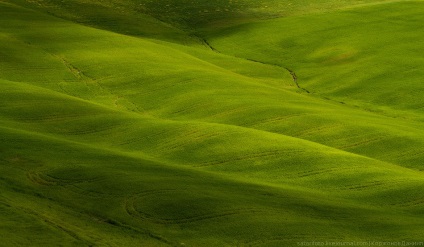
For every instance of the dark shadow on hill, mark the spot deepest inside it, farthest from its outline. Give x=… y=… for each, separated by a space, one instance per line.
x=194 y=14
x=116 y=16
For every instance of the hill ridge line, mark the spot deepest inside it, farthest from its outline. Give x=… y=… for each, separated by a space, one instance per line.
x=292 y=73
x=141 y=116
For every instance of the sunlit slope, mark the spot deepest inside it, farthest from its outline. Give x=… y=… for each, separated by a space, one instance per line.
x=108 y=199
x=264 y=156
x=368 y=56
x=108 y=139
x=82 y=172
x=228 y=98
x=175 y=82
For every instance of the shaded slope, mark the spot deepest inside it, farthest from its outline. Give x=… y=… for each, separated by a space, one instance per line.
x=117 y=16
x=189 y=15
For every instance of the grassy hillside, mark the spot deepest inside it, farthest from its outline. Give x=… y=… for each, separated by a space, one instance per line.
x=141 y=123
x=356 y=56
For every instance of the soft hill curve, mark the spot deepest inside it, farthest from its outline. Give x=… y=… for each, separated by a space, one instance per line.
x=142 y=136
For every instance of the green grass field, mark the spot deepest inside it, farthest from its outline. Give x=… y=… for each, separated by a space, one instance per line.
x=211 y=123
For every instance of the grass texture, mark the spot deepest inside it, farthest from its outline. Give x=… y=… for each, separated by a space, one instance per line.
x=210 y=123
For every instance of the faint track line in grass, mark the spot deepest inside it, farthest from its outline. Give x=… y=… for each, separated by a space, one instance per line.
x=16 y=160
x=365 y=186
x=320 y=171
x=409 y=203
x=186 y=138
x=74 y=70
x=250 y=156
x=40 y=178
x=75 y=236
x=92 y=130
x=361 y=143
x=371 y=185
x=154 y=136
x=76 y=180
x=222 y=214
x=206 y=43
x=51 y=118
x=50 y=222
x=82 y=76
x=36 y=178
x=174 y=84
x=412 y=153
x=317 y=130
x=185 y=134
x=189 y=142
x=230 y=112
x=279 y=119
x=192 y=140
x=93 y=194
x=294 y=77
x=129 y=201
x=292 y=73
x=191 y=107
x=132 y=211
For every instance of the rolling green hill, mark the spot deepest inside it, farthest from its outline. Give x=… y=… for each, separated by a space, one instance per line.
x=199 y=123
